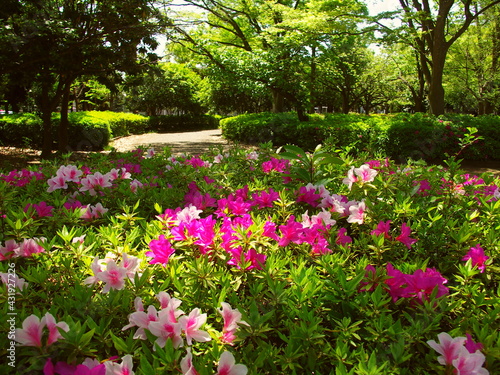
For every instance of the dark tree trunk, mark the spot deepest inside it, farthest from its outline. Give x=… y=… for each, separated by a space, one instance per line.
x=301 y=114
x=63 y=139
x=436 y=89
x=346 y=107
x=278 y=101
x=46 y=113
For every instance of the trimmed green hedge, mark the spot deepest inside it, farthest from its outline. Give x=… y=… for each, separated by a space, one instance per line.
x=182 y=123
x=401 y=136
x=93 y=130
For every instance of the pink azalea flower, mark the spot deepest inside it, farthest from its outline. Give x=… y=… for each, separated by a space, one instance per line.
x=90 y=212
x=96 y=269
x=404 y=237
x=57 y=182
x=167 y=301
x=448 y=347
x=30 y=246
x=10 y=250
x=365 y=173
x=70 y=173
x=187 y=367
x=191 y=326
x=357 y=213
x=424 y=187
x=131 y=264
x=395 y=282
x=113 y=277
x=54 y=334
x=269 y=230
x=188 y=214
x=383 y=228
x=322 y=219
x=141 y=320
x=95 y=181
x=161 y=250
x=227 y=365
x=7 y=280
x=478 y=258
x=469 y=363
x=135 y=184
x=362 y=174
x=422 y=284
x=231 y=317
x=252 y=155
x=125 y=368
x=31 y=333
x=166 y=327
x=350 y=179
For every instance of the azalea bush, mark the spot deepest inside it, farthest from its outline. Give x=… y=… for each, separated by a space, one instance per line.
x=258 y=262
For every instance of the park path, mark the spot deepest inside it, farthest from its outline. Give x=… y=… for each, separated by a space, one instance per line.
x=187 y=142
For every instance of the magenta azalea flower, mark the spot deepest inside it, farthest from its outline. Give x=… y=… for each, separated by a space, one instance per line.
x=404 y=237
x=161 y=250
x=471 y=345
x=383 y=228
x=42 y=209
x=290 y=232
x=478 y=258
x=342 y=238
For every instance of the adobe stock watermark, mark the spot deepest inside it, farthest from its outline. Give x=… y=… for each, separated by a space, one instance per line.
x=11 y=314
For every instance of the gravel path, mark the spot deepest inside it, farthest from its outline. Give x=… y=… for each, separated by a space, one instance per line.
x=189 y=142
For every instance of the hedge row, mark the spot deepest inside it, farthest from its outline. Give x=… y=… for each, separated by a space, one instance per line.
x=93 y=130
x=401 y=136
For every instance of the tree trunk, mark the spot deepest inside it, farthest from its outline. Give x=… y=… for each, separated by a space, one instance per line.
x=46 y=111
x=278 y=101
x=63 y=139
x=301 y=114
x=345 y=102
x=436 y=90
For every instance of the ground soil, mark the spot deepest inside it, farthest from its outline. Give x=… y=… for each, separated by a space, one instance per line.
x=189 y=143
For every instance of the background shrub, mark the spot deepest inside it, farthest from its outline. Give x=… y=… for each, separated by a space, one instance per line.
x=182 y=123
x=401 y=137
x=21 y=130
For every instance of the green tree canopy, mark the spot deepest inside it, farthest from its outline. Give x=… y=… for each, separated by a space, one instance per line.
x=53 y=42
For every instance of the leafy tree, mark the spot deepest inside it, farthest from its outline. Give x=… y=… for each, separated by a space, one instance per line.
x=472 y=74
x=431 y=28
x=273 y=43
x=170 y=87
x=56 y=41
x=341 y=63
